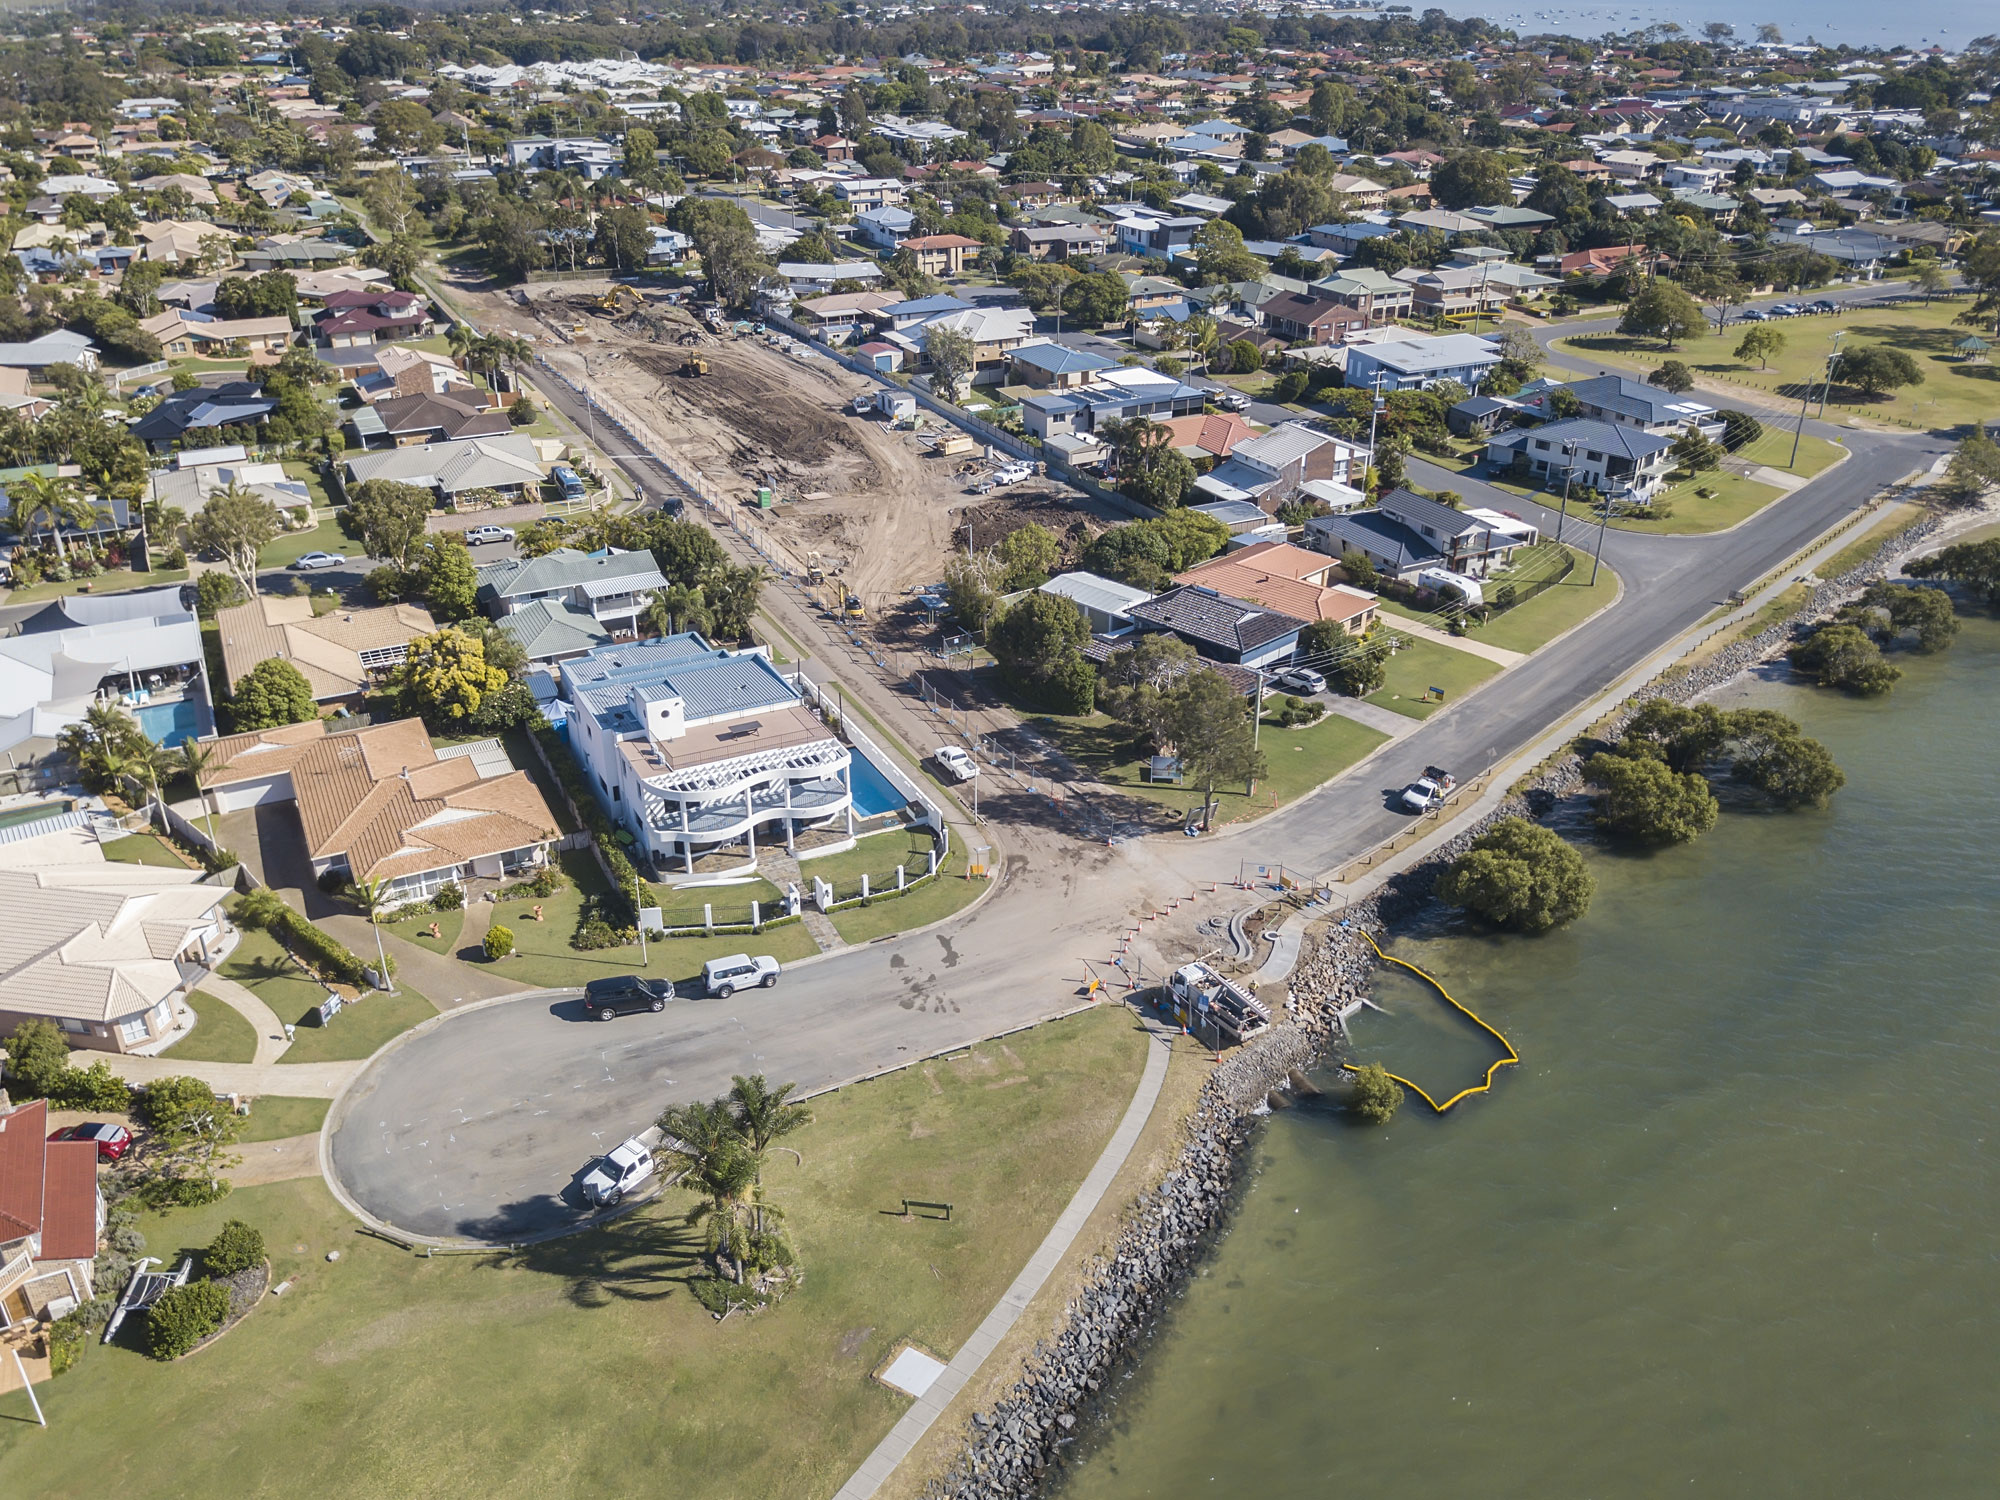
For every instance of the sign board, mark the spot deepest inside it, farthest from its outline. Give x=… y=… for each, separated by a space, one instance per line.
x=651 y=920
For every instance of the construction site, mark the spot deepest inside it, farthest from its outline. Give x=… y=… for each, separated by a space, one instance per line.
x=876 y=503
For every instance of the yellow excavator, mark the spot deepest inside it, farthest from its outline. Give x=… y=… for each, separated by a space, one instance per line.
x=620 y=299
x=695 y=365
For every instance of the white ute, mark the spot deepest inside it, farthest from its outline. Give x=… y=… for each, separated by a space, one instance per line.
x=959 y=765
x=617 y=1173
x=1428 y=790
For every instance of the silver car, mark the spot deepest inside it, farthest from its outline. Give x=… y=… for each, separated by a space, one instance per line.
x=618 y=1172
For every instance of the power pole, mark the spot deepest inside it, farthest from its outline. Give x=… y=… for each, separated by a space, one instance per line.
x=1569 y=473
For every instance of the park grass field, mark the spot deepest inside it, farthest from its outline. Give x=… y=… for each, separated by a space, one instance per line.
x=584 y=1367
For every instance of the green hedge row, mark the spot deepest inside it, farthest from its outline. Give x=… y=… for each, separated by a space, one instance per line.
x=317 y=947
x=562 y=761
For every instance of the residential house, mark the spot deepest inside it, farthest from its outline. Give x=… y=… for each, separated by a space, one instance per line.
x=60 y=347
x=381 y=804
x=885 y=228
x=1103 y=602
x=1312 y=320
x=1222 y=628
x=1408 y=535
x=190 y=335
x=1115 y=395
x=1627 y=463
x=1055 y=366
x=1632 y=403
x=1379 y=297
x=404 y=371
x=901 y=316
x=354 y=319
x=1208 y=435
x=995 y=333
x=340 y=653
x=808 y=278
x=1289 y=462
x=51 y=1216
x=943 y=254
x=860 y=193
x=1485 y=287
x=1346 y=239
x=108 y=952
x=1154 y=235
x=290 y=253
x=693 y=749
x=198 y=473
x=550 y=630
x=1289 y=579
x=839 y=314
x=1414 y=363
x=1061 y=242
x=203 y=409
x=398 y=421
x=611 y=587
x=506 y=465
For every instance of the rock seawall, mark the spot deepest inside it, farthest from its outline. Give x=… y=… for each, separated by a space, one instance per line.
x=1012 y=1449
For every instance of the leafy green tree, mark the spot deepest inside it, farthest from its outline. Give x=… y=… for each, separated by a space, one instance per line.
x=1662 y=310
x=449 y=580
x=1096 y=299
x=764 y=1115
x=1876 y=368
x=1886 y=610
x=189 y=1140
x=235 y=524
x=1643 y=799
x=214 y=592
x=1038 y=645
x=1694 y=451
x=1739 y=429
x=445 y=677
x=1213 y=735
x=1042 y=283
x=624 y=238
x=387 y=517
x=274 y=294
x=1974 y=468
x=1760 y=342
x=1219 y=255
x=1137 y=685
x=1469 y=179
x=726 y=241
x=1028 y=554
x=272 y=693
x=1792 y=770
x=953 y=357
x=1363 y=663
x=1358 y=568
x=1974 y=564
x=184 y=1316
x=641 y=151
x=1245 y=358
x=1979 y=268
x=37 y=1058
x=1685 y=736
x=1672 y=375
x=1376 y=1094
x=1843 y=656
x=1521 y=876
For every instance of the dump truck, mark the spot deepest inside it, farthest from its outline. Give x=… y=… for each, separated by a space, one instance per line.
x=1202 y=999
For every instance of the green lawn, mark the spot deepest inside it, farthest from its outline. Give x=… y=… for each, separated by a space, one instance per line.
x=584 y=1368
x=1679 y=511
x=417 y=929
x=544 y=958
x=279 y=1117
x=928 y=903
x=731 y=903
x=309 y=474
x=261 y=966
x=1533 y=624
x=293 y=545
x=220 y=1034
x=144 y=849
x=1953 y=391
x=117 y=581
x=877 y=856
x=1422 y=665
x=1298 y=759
x=1773 y=449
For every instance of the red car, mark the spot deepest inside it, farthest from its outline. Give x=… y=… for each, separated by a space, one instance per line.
x=113 y=1141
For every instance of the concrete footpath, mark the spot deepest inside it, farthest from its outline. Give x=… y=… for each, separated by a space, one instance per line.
x=915 y=1422
x=323 y=1080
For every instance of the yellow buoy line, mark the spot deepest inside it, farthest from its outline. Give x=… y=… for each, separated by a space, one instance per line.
x=1481 y=1087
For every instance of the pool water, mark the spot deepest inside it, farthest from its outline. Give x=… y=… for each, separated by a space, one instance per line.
x=34 y=813
x=873 y=795
x=170 y=723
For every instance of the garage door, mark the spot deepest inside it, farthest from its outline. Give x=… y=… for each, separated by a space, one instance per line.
x=255 y=793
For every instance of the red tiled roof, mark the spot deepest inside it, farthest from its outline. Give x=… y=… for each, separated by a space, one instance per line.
x=22 y=1169
x=69 y=1201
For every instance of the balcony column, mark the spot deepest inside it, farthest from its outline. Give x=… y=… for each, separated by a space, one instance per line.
x=687 y=837
x=791 y=828
x=750 y=833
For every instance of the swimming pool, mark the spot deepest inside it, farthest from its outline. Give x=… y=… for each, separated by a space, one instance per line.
x=169 y=723
x=873 y=794
x=34 y=812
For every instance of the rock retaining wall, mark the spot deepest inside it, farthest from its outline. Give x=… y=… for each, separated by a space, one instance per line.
x=1012 y=1449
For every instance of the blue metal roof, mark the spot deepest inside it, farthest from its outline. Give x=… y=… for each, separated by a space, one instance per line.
x=1058 y=359
x=710 y=683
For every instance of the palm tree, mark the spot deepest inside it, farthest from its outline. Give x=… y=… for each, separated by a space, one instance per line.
x=195 y=760
x=677 y=607
x=763 y=1114
x=370 y=894
x=52 y=500
x=727 y=1182
x=460 y=338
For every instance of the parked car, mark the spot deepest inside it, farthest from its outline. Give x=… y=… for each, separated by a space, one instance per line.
x=1786 y=310
x=1428 y=790
x=1824 y=306
x=957 y=764
x=723 y=977
x=113 y=1141
x=314 y=560
x=1013 y=473
x=608 y=999
x=1754 y=315
x=618 y=1172
x=480 y=534
x=1302 y=680
x=1230 y=400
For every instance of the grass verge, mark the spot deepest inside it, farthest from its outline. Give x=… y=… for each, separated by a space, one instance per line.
x=279 y=1117
x=1423 y=665
x=361 y=1028
x=932 y=902
x=293 y=545
x=220 y=1034
x=118 y=581
x=583 y=1367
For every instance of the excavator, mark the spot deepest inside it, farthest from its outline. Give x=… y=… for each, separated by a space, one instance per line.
x=694 y=365
x=621 y=299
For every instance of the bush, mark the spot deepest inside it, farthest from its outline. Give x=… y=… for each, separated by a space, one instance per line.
x=67 y=1337
x=448 y=897
x=216 y=591
x=548 y=880
x=95 y=1088
x=595 y=933
x=1521 y=876
x=37 y=1058
x=313 y=946
x=332 y=880
x=237 y=1248
x=1842 y=656
x=1246 y=357
x=499 y=941
x=183 y=1317
x=1376 y=1094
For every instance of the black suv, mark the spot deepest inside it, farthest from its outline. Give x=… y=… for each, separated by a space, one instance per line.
x=606 y=998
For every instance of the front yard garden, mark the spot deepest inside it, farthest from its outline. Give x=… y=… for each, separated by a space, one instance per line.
x=220 y=1035
x=1423 y=665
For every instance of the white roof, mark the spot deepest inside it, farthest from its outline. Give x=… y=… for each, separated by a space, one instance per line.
x=1441 y=353
x=1089 y=591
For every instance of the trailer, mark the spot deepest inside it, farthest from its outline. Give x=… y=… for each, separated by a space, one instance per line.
x=1201 y=998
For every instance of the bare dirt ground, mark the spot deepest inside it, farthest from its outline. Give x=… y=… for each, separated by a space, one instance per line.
x=882 y=512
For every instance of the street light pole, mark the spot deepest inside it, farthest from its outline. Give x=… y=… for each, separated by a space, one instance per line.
x=1569 y=473
x=1603 y=525
x=1826 y=389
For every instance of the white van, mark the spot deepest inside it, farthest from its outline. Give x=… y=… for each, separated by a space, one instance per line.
x=722 y=977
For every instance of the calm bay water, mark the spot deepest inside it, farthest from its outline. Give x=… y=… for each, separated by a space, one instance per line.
x=1948 y=23
x=1733 y=1227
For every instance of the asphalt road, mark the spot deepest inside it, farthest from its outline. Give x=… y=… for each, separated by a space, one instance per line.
x=480 y=1126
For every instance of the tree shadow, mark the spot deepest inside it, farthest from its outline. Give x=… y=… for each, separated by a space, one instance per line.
x=643 y=1256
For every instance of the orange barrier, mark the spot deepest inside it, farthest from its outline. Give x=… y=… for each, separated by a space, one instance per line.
x=1509 y=1060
